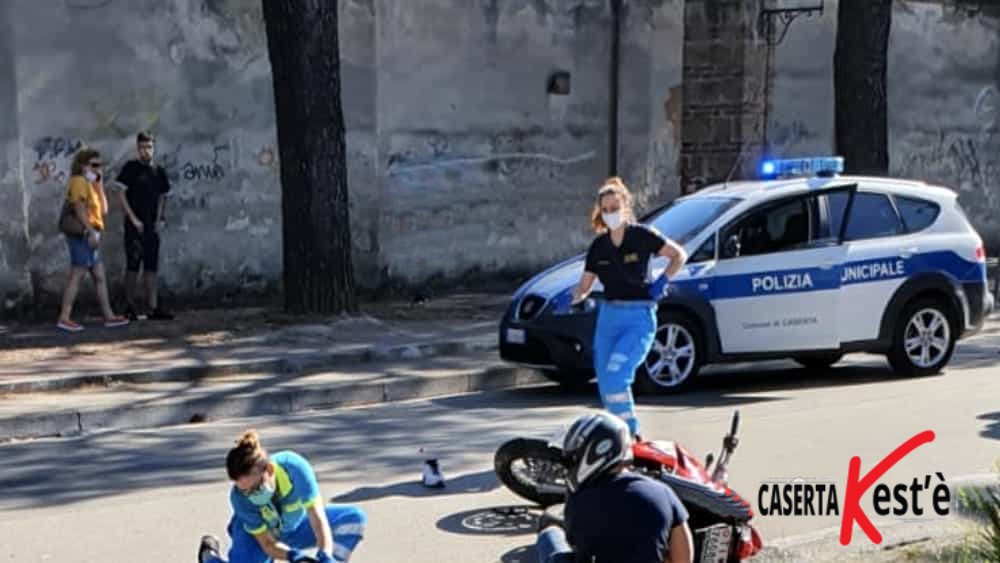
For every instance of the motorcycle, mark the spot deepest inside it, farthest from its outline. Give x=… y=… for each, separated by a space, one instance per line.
x=720 y=519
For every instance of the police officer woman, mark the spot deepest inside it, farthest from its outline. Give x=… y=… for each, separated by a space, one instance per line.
x=626 y=323
x=279 y=511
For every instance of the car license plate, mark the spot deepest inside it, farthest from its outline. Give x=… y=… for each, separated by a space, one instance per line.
x=515 y=336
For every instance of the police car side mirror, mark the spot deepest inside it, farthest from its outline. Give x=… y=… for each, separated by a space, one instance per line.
x=732 y=247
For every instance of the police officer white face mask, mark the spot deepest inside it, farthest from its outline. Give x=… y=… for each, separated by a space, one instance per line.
x=613 y=220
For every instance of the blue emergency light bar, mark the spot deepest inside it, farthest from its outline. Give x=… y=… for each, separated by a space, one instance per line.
x=790 y=167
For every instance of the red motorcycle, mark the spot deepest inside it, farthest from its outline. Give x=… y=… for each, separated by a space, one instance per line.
x=720 y=519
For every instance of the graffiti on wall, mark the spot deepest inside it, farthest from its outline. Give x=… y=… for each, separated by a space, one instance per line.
x=967 y=160
x=53 y=155
x=211 y=171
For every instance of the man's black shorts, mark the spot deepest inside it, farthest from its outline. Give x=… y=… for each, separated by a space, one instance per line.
x=142 y=249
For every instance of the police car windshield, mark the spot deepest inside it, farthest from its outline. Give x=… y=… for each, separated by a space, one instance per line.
x=683 y=219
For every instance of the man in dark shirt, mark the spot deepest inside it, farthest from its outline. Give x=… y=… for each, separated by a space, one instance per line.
x=612 y=515
x=142 y=199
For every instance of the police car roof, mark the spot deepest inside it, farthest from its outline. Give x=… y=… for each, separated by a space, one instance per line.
x=767 y=189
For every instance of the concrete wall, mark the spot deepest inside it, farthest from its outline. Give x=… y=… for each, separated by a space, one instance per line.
x=196 y=73
x=944 y=105
x=483 y=170
x=460 y=161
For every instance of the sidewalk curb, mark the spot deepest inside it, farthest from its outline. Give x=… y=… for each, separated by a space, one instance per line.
x=276 y=364
x=75 y=422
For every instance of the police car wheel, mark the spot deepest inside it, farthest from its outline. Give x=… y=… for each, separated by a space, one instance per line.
x=675 y=357
x=924 y=340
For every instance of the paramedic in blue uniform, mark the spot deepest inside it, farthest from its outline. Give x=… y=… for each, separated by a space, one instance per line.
x=279 y=511
x=626 y=323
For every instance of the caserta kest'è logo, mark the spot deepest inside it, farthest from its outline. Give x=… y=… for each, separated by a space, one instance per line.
x=812 y=497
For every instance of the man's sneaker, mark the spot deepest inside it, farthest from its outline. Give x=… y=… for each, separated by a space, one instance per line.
x=209 y=550
x=131 y=315
x=432 y=475
x=69 y=326
x=160 y=314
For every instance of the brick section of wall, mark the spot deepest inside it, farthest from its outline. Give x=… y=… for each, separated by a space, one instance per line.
x=724 y=96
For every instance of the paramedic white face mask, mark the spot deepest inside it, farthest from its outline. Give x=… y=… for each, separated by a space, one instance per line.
x=612 y=220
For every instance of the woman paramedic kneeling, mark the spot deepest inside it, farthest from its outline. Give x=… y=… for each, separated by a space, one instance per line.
x=278 y=511
x=626 y=323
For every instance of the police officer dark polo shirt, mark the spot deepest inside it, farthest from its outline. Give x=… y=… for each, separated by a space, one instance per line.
x=622 y=269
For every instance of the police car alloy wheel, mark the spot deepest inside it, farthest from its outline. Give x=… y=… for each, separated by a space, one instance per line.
x=924 y=339
x=675 y=357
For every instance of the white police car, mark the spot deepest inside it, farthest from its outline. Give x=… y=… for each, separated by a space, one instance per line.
x=807 y=264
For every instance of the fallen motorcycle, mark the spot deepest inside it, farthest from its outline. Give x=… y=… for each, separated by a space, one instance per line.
x=720 y=520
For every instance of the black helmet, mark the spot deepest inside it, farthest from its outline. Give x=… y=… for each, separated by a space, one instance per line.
x=594 y=445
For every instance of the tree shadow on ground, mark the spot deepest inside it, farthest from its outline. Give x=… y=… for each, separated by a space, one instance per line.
x=992 y=429
x=470 y=483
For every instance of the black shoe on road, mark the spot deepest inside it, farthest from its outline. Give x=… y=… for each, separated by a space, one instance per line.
x=209 y=549
x=131 y=315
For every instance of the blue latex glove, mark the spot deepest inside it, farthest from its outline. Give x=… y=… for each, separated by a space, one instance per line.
x=659 y=287
x=323 y=557
x=562 y=302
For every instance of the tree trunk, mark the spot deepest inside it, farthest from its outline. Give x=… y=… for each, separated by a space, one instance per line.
x=859 y=77
x=305 y=65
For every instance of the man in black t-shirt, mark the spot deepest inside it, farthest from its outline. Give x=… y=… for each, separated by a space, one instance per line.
x=142 y=199
x=613 y=515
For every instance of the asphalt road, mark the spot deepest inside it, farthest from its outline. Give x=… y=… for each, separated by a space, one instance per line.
x=149 y=495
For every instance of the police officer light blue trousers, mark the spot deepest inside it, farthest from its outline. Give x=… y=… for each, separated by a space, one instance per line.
x=552 y=546
x=347 y=523
x=624 y=335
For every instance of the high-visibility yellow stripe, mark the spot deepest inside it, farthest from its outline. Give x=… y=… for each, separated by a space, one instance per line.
x=283 y=480
x=309 y=503
x=258 y=531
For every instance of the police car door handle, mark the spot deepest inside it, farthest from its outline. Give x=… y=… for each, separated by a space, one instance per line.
x=907 y=252
x=826 y=265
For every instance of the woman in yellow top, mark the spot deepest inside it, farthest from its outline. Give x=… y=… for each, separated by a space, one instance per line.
x=85 y=193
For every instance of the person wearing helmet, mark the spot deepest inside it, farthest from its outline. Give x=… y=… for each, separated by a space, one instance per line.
x=613 y=515
x=626 y=324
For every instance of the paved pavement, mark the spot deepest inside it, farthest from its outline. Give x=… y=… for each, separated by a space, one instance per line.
x=38 y=356
x=149 y=494
x=241 y=362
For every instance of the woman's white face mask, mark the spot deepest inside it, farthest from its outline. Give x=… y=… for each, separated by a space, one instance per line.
x=90 y=175
x=613 y=220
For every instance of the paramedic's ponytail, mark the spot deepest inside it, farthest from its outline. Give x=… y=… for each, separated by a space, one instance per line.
x=247 y=455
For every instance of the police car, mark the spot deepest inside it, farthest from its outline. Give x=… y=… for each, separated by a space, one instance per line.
x=804 y=264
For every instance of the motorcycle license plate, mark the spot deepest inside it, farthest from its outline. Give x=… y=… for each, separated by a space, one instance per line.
x=515 y=336
x=715 y=544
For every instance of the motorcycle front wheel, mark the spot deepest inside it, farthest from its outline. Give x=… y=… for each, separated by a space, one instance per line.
x=532 y=469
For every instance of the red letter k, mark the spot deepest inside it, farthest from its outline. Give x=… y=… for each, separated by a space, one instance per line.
x=856 y=488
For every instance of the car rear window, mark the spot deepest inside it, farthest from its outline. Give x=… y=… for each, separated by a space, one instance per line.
x=872 y=215
x=917 y=214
